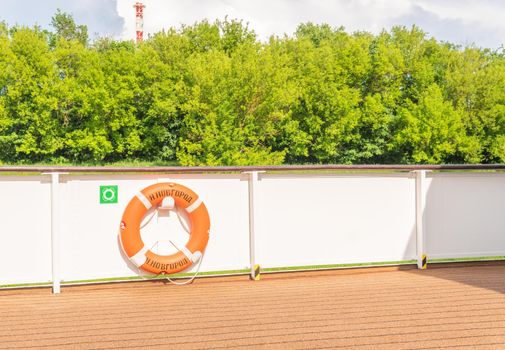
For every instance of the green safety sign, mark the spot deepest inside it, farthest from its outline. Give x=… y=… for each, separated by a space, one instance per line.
x=108 y=194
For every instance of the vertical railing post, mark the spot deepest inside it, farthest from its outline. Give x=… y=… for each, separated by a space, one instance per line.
x=55 y=230
x=420 y=210
x=253 y=179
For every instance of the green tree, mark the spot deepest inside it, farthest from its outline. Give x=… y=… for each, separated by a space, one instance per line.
x=66 y=28
x=29 y=132
x=212 y=94
x=432 y=131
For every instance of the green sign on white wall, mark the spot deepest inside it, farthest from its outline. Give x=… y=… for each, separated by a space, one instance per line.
x=108 y=194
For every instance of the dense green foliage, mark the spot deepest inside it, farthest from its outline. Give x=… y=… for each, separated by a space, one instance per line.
x=213 y=94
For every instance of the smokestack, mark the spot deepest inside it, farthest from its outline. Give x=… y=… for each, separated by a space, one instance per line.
x=139 y=16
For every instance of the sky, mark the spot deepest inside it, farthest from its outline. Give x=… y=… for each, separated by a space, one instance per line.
x=465 y=22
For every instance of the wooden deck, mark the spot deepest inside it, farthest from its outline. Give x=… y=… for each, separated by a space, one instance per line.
x=451 y=308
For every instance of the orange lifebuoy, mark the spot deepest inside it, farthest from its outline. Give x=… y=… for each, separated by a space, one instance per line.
x=150 y=197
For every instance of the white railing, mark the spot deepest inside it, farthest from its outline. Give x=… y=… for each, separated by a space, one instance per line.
x=54 y=228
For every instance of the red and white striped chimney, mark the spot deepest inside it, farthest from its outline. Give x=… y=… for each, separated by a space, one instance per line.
x=139 y=16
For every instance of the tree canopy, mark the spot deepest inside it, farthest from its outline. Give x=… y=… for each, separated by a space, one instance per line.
x=213 y=94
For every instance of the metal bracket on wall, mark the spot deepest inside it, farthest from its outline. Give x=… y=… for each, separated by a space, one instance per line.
x=421 y=187
x=253 y=180
x=55 y=229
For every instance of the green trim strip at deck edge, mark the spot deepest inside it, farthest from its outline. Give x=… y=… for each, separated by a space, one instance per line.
x=246 y=271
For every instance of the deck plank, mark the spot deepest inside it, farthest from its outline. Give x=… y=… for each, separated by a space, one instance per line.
x=453 y=307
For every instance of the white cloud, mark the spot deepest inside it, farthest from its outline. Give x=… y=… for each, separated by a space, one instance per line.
x=99 y=15
x=462 y=21
x=266 y=17
x=483 y=11
x=458 y=21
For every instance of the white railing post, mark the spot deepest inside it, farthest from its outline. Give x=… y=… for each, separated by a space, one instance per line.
x=420 y=209
x=253 y=179
x=55 y=230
